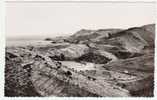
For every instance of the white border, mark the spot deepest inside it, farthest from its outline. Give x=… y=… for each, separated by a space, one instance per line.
x=2 y=46
x=2 y=60
x=89 y=0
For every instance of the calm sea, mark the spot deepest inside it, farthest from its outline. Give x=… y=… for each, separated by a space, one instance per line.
x=26 y=42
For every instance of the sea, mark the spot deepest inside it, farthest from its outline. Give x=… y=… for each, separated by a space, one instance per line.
x=26 y=42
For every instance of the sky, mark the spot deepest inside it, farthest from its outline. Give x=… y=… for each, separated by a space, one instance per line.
x=61 y=19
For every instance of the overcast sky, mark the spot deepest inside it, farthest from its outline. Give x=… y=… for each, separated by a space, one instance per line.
x=56 y=19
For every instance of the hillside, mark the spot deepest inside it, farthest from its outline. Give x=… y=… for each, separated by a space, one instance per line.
x=94 y=63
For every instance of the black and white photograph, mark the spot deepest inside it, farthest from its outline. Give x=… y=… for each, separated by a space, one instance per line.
x=79 y=49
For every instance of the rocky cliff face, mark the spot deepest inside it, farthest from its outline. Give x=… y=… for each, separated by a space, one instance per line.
x=104 y=62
